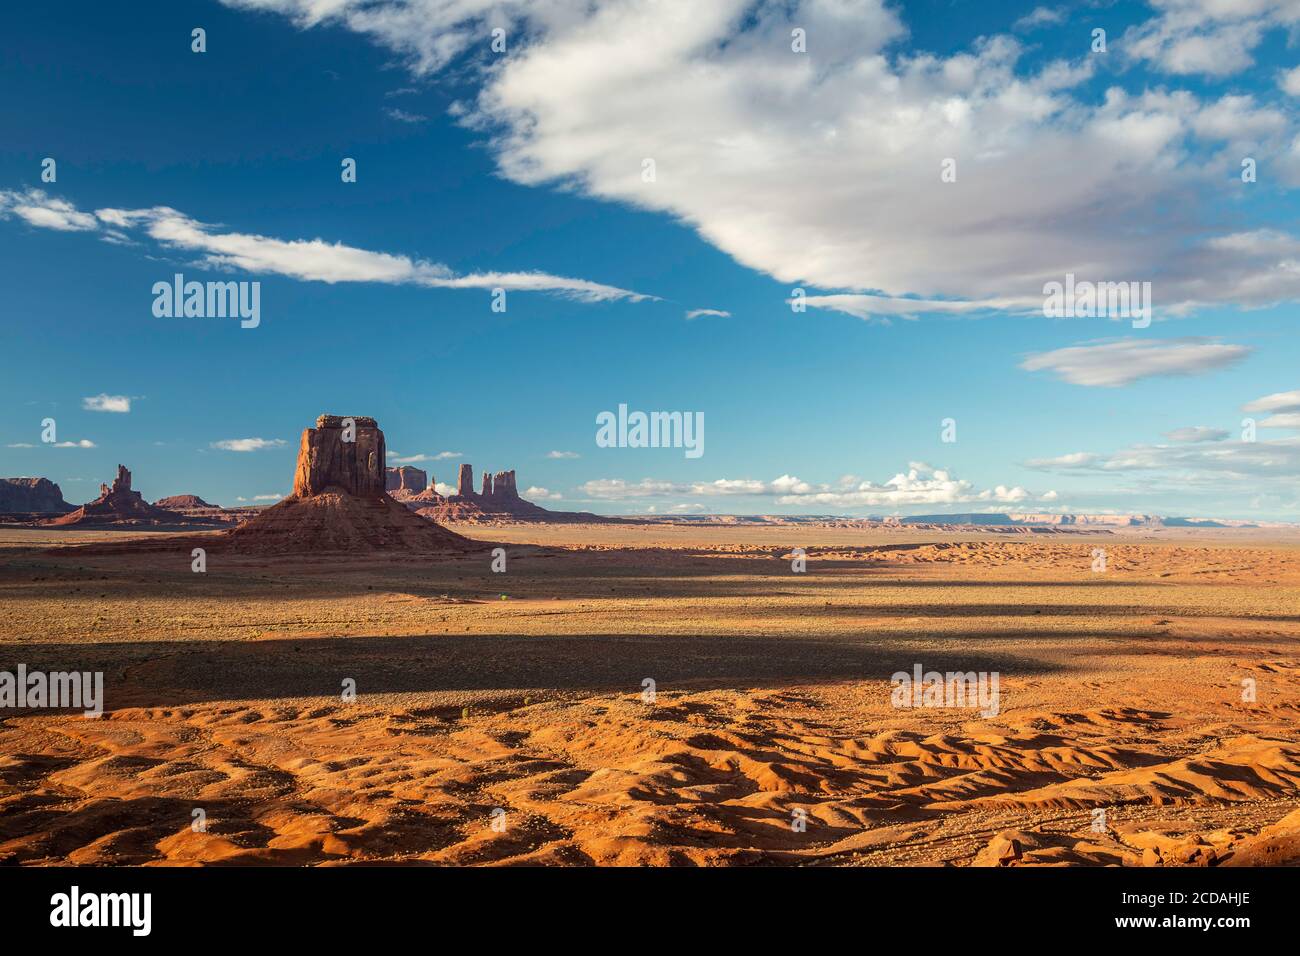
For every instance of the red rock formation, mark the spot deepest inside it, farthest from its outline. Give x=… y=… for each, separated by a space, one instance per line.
x=119 y=505
x=505 y=485
x=405 y=482
x=32 y=496
x=499 y=501
x=177 y=502
x=339 y=502
x=333 y=457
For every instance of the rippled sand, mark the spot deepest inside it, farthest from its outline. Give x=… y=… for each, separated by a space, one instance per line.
x=517 y=699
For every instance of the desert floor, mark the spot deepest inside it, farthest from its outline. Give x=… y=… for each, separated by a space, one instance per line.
x=1120 y=691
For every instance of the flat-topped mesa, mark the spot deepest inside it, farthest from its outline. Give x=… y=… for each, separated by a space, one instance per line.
x=341 y=455
x=32 y=495
x=465 y=483
x=504 y=484
x=487 y=484
x=405 y=481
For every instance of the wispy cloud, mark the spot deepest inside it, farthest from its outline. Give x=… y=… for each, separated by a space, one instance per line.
x=248 y=444
x=1196 y=433
x=1207 y=37
x=1114 y=363
x=107 y=403
x=1040 y=17
x=562 y=454
x=415 y=459
x=1205 y=458
x=698 y=313
x=45 y=212
x=309 y=260
x=402 y=116
x=1277 y=402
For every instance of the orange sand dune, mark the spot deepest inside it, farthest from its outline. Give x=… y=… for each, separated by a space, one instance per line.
x=500 y=718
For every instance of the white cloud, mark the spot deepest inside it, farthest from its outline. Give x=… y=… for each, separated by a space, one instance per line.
x=444 y=489
x=261 y=498
x=1122 y=362
x=1078 y=459
x=248 y=444
x=83 y=443
x=1195 y=433
x=1289 y=81
x=1277 y=402
x=316 y=260
x=913 y=487
x=698 y=313
x=544 y=494
x=1287 y=420
x=46 y=212
x=845 y=143
x=562 y=454
x=107 y=403
x=1198 y=463
x=1040 y=17
x=1211 y=37
x=413 y=459
x=402 y=116
x=308 y=260
x=21 y=444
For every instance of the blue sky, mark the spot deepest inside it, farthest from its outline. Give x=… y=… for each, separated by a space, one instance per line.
x=775 y=170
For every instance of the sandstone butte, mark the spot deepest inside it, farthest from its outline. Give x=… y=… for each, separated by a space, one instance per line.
x=340 y=501
x=496 y=500
x=119 y=505
x=177 y=502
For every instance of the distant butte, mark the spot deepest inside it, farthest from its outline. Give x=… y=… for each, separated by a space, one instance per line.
x=497 y=500
x=406 y=482
x=177 y=502
x=32 y=496
x=119 y=506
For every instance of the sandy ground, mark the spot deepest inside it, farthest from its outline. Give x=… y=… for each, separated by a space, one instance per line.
x=501 y=718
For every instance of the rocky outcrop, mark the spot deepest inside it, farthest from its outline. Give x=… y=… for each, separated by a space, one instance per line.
x=120 y=505
x=405 y=482
x=178 y=502
x=498 y=501
x=341 y=455
x=504 y=485
x=339 y=502
x=32 y=496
